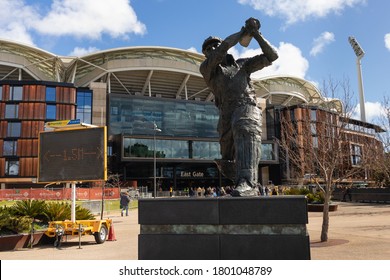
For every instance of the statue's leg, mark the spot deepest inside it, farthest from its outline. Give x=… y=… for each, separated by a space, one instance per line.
x=247 y=161
x=247 y=142
x=227 y=144
x=226 y=164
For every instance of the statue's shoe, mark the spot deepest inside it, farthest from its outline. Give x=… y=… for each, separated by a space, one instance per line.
x=243 y=189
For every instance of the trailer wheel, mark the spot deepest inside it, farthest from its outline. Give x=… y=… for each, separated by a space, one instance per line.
x=101 y=235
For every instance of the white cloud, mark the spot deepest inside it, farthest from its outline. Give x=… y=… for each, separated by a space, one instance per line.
x=14 y=25
x=374 y=110
x=86 y=19
x=17 y=32
x=90 y=19
x=300 y=10
x=79 y=51
x=320 y=42
x=290 y=61
x=387 y=41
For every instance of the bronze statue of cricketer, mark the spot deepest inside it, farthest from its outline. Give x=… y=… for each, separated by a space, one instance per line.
x=240 y=119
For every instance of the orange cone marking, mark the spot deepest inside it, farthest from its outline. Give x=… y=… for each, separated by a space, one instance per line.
x=111 y=233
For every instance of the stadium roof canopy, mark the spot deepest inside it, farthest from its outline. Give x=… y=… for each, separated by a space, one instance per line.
x=147 y=71
x=23 y=62
x=289 y=91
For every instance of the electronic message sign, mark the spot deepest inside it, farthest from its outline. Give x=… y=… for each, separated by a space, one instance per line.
x=77 y=155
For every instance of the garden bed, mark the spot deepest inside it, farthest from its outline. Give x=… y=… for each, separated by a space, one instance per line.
x=18 y=241
x=320 y=207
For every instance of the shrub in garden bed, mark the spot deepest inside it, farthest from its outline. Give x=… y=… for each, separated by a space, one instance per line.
x=19 y=217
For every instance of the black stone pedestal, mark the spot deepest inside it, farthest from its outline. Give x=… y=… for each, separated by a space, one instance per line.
x=236 y=228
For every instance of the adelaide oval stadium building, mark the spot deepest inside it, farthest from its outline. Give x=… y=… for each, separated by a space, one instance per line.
x=160 y=115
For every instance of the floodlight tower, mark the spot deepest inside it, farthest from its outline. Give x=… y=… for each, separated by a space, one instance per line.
x=359 y=55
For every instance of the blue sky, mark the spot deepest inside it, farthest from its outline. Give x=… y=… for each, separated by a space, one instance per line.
x=311 y=36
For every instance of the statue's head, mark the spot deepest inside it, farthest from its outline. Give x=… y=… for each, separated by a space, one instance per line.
x=209 y=43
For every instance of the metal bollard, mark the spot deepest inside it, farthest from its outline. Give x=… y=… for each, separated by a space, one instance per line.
x=80 y=231
x=32 y=234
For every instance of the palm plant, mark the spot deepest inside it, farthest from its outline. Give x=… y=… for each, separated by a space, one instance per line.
x=61 y=211
x=11 y=224
x=57 y=211
x=30 y=208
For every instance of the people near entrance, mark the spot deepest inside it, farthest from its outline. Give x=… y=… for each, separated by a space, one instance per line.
x=170 y=191
x=261 y=190
x=211 y=191
x=208 y=191
x=219 y=191
x=124 y=203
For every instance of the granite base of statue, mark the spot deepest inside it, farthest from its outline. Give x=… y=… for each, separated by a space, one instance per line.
x=224 y=228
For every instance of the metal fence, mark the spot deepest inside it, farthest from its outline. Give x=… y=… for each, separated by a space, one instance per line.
x=109 y=206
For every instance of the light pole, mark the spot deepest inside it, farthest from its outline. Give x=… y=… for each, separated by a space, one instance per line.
x=155 y=129
x=359 y=55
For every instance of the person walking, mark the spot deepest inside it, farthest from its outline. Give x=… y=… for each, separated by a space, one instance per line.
x=124 y=203
x=240 y=119
x=170 y=191
x=347 y=193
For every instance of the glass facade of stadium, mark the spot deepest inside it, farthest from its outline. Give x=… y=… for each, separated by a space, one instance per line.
x=179 y=136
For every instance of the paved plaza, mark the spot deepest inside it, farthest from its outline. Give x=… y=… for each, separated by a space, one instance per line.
x=358 y=231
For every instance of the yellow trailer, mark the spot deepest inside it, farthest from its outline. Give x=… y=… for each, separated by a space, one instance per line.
x=99 y=228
